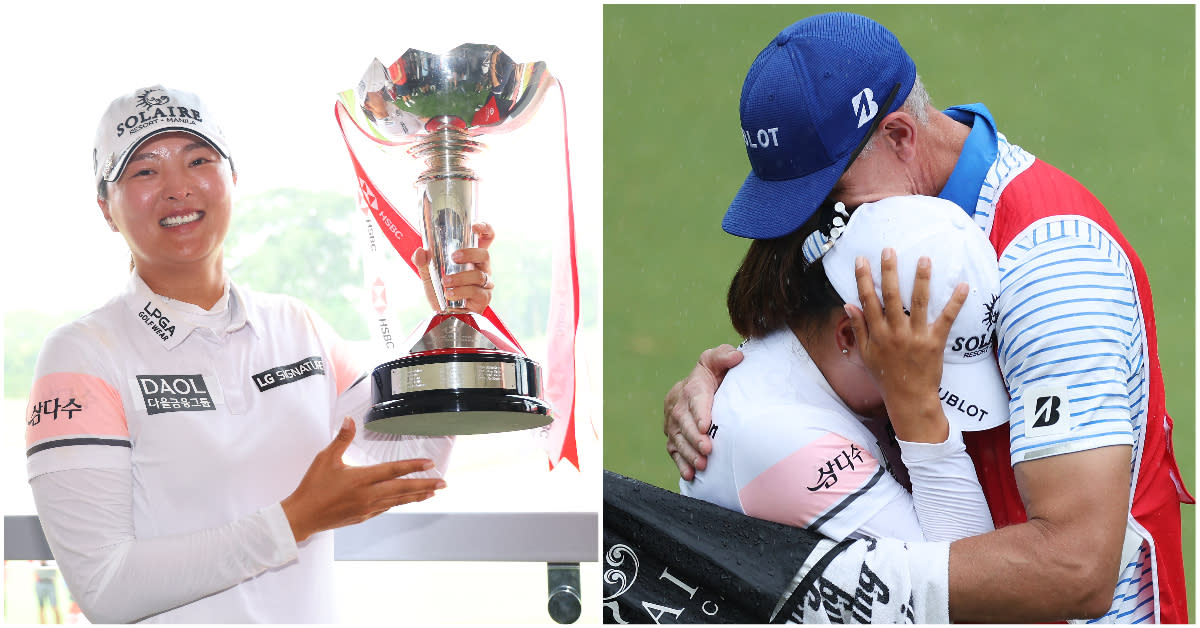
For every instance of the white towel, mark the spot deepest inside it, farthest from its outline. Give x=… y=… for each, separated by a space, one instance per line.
x=870 y=581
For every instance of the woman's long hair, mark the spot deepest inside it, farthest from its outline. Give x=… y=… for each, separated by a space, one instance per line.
x=775 y=287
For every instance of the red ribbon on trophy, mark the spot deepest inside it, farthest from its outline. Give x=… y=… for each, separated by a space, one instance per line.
x=563 y=326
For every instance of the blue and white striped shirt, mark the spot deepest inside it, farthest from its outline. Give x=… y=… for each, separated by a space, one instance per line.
x=1071 y=343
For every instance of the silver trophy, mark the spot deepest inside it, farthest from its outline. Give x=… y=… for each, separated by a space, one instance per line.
x=462 y=376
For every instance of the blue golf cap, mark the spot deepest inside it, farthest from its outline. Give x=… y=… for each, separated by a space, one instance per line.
x=811 y=99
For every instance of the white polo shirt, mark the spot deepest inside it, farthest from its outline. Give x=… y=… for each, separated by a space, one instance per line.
x=206 y=420
x=788 y=449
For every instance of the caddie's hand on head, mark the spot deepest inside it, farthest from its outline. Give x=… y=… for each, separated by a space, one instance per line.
x=687 y=410
x=333 y=494
x=474 y=286
x=902 y=350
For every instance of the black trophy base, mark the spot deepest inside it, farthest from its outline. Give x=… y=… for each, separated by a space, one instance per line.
x=457 y=392
x=452 y=412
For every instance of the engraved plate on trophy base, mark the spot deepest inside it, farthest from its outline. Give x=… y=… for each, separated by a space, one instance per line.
x=460 y=377
x=441 y=393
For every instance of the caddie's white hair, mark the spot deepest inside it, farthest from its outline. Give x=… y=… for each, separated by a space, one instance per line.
x=916 y=105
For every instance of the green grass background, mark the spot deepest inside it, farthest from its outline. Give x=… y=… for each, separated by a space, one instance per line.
x=1104 y=93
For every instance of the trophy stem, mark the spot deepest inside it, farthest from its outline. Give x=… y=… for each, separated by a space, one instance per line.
x=448 y=201
x=444 y=151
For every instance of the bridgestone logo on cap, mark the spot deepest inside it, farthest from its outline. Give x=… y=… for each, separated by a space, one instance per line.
x=865 y=106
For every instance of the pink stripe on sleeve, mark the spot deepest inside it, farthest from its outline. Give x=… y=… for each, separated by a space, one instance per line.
x=346 y=369
x=345 y=365
x=73 y=404
x=809 y=481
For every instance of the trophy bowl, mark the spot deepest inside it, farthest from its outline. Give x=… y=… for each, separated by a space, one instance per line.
x=462 y=375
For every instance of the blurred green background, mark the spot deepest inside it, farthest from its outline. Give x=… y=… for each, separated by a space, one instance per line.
x=1105 y=93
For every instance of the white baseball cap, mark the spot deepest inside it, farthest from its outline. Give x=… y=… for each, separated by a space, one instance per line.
x=972 y=389
x=144 y=113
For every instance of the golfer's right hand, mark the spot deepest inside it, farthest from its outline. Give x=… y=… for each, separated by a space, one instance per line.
x=333 y=494
x=687 y=410
x=902 y=349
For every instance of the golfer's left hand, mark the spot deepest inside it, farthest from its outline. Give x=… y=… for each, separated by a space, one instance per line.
x=474 y=286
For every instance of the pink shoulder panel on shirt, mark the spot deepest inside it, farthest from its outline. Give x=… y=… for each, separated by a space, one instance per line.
x=73 y=404
x=346 y=369
x=809 y=482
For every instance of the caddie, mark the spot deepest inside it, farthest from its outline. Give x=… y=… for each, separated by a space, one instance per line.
x=1081 y=481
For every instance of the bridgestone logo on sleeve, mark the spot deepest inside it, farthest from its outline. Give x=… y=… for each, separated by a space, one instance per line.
x=1047 y=411
x=288 y=373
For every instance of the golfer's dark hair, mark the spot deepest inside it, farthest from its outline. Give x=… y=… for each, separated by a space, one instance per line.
x=775 y=287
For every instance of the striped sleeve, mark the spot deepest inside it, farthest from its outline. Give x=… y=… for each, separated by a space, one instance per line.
x=1134 y=600
x=1070 y=341
x=74 y=418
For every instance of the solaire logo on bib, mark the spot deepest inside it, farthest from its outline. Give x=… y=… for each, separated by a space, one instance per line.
x=174 y=393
